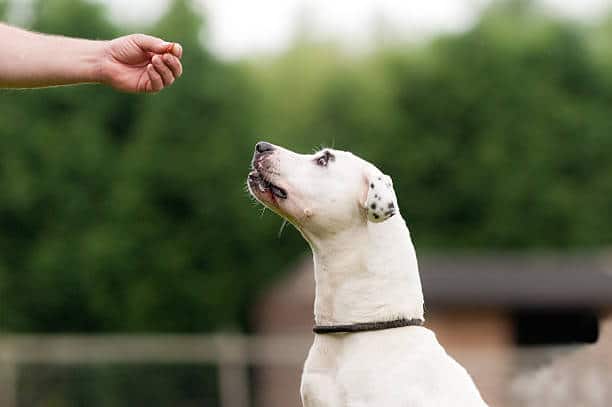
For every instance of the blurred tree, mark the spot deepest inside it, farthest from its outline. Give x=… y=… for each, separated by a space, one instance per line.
x=495 y=137
x=128 y=213
x=72 y=18
x=122 y=212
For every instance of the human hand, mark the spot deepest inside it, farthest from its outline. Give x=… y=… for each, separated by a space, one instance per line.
x=140 y=63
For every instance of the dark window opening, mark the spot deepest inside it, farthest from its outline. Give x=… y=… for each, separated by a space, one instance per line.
x=555 y=326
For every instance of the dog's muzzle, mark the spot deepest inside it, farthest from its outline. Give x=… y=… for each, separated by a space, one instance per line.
x=258 y=179
x=258 y=182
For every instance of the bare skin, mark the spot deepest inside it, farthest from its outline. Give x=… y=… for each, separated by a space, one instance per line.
x=134 y=63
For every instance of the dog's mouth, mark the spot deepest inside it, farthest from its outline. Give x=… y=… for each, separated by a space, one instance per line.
x=260 y=184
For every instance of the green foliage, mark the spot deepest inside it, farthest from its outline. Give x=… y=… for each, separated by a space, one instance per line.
x=128 y=213
x=496 y=138
x=118 y=386
x=72 y=18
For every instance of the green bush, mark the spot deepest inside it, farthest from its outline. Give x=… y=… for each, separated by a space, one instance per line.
x=128 y=213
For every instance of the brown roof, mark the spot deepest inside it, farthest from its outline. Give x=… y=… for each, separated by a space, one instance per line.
x=497 y=280
x=518 y=280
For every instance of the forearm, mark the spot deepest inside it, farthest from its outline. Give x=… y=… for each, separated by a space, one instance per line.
x=35 y=60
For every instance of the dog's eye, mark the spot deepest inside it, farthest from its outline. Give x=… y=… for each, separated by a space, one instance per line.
x=323 y=160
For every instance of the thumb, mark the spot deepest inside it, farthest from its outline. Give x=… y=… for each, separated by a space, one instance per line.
x=153 y=44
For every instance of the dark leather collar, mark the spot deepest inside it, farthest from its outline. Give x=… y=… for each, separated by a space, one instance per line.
x=367 y=326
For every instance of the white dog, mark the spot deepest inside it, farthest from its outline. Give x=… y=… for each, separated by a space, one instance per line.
x=369 y=348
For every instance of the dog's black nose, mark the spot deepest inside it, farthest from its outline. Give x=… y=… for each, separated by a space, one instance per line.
x=263 y=147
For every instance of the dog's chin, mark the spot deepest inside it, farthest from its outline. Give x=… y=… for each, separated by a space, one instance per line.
x=265 y=191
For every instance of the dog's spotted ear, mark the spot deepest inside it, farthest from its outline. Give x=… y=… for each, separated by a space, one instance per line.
x=380 y=203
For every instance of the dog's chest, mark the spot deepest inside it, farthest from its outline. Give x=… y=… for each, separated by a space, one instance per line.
x=365 y=369
x=392 y=368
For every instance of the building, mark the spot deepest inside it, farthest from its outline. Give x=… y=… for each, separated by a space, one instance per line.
x=503 y=316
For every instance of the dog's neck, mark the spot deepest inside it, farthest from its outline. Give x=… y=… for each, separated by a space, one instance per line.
x=368 y=273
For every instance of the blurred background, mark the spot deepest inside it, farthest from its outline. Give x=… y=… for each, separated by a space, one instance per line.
x=136 y=271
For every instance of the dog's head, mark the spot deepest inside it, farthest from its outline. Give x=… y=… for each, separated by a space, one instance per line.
x=321 y=193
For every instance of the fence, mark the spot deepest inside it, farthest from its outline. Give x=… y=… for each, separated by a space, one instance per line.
x=583 y=369
x=232 y=354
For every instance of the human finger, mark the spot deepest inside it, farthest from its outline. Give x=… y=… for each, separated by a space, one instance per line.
x=163 y=70
x=155 y=81
x=174 y=64
x=176 y=49
x=152 y=44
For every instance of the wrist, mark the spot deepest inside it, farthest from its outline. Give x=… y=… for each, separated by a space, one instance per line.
x=94 y=61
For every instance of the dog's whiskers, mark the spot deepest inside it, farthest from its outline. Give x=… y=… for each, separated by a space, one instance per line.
x=318 y=148
x=280 y=231
x=322 y=146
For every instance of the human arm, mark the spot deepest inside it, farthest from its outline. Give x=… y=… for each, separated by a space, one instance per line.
x=133 y=63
